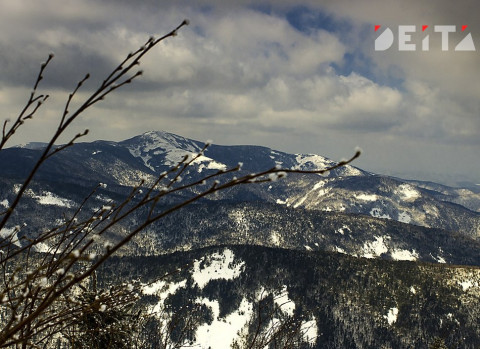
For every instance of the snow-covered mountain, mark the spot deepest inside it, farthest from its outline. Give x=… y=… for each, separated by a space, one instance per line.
x=345 y=251
x=337 y=301
x=289 y=213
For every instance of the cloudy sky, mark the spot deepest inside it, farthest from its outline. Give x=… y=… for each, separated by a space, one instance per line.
x=297 y=76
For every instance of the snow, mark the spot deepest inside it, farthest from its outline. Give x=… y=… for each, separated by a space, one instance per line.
x=309 y=330
x=174 y=148
x=308 y=248
x=321 y=191
x=48 y=198
x=221 y=332
x=275 y=236
x=103 y=198
x=242 y=222
x=467 y=284
x=350 y=171
x=312 y=162
x=413 y=290
x=404 y=217
x=282 y=300
x=162 y=289
x=320 y=184
x=317 y=187
x=407 y=192
x=317 y=162
x=281 y=202
x=137 y=152
x=377 y=213
x=218 y=268
x=375 y=248
x=301 y=201
x=367 y=197
x=42 y=247
x=96 y=152
x=10 y=234
x=392 y=315
x=5 y=203
x=342 y=230
x=404 y=255
x=211 y=164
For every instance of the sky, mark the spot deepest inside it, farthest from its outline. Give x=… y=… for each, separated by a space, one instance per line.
x=295 y=76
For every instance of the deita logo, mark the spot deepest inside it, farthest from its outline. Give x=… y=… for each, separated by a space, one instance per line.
x=405 y=32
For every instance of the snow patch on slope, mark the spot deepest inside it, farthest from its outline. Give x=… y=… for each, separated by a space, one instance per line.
x=343 y=229
x=46 y=198
x=10 y=235
x=317 y=162
x=157 y=143
x=162 y=290
x=373 y=249
x=276 y=238
x=392 y=315
x=221 y=332
x=210 y=164
x=282 y=300
x=318 y=187
x=377 y=213
x=218 y=268
x=367 y=197
x=404 y=217
x=404 y=255
x=468 y=284
x=312 y=162
x=42 y=248
x=407 y=192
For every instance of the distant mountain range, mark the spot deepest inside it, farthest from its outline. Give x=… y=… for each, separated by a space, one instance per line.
x=376 y=202
x=350 y=250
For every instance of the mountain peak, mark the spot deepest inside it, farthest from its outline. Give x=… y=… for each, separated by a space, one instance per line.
x=32 y=145
x=157 y=148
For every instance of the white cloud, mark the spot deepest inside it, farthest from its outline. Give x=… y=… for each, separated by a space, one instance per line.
x=249 y=76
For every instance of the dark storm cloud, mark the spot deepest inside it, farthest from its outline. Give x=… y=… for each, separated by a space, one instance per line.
x=20 y=65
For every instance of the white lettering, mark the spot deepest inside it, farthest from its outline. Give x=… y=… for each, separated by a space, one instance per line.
x=445 y=29
x=404 y=38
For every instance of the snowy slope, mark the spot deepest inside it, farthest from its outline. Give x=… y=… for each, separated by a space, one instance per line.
x=66 y=178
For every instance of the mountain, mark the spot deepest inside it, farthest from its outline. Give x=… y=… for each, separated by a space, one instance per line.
x=349 y=259
x=67 y=178
x=154 y=152
x=329 y=300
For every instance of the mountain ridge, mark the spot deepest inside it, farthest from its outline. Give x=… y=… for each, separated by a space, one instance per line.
x=69 y=176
